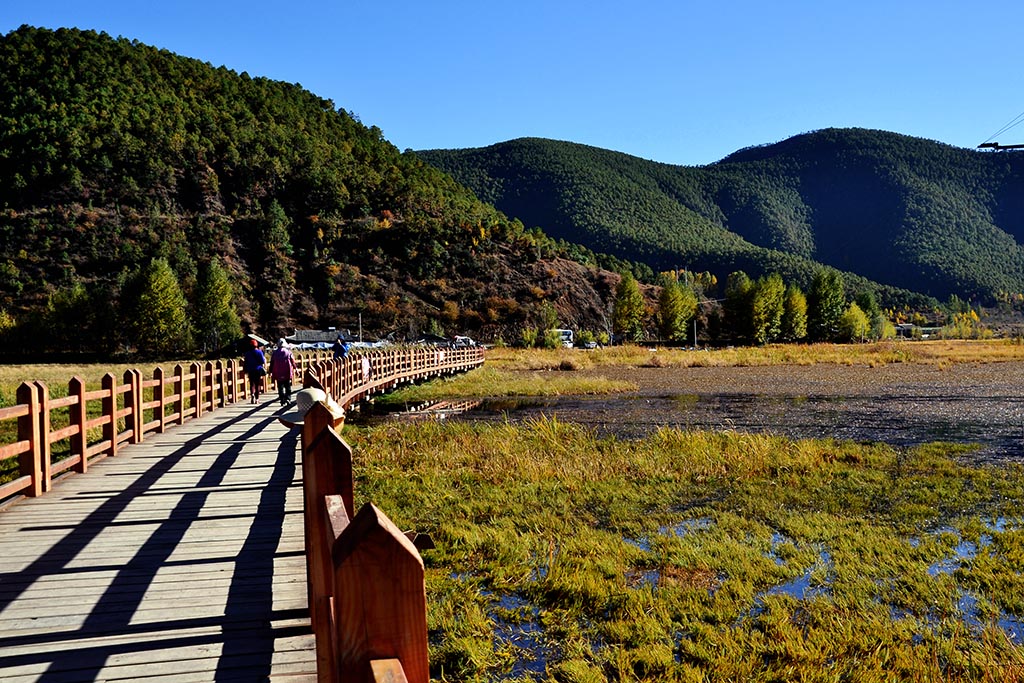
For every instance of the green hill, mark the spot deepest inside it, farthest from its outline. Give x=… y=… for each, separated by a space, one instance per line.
x=910 y=214
x=113 y=153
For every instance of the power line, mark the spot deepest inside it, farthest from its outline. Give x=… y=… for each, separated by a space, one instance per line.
x=1014 y=122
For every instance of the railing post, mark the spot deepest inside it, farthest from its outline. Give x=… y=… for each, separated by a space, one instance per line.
x=77 y=415
x=380 y=604
x=108 y=408
x=160 y=397
x=211 y=387
x=229 y=372
x=179 y=396
x=222 y=388
x=133 y=401
x=326 y=471
x=43 y=392
x=29 y=463
x=196 y=389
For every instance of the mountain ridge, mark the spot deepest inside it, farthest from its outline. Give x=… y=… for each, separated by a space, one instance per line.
x=113 y=153
x=776 y=206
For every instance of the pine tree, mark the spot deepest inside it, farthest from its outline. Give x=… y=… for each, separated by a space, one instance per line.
x=794 y=315
x=216 y=322
x=766 y=305
x=155 y=312
x=69 y=318
x=736 y=308
x=676 y=307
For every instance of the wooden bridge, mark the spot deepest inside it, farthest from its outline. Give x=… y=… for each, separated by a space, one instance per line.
x=182 y=556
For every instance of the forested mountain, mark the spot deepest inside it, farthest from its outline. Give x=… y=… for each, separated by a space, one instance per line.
x=910 y=213
x=133 y=181
x=113 y=154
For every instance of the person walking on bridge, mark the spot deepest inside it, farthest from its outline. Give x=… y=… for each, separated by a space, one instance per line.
x=254 y=365
x=282 y=369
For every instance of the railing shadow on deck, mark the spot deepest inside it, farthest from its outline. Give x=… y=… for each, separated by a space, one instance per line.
x=244 y=631
x=366 y=580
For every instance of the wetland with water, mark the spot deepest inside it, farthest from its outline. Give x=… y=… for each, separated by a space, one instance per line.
x=752 y=558
x=898 y=404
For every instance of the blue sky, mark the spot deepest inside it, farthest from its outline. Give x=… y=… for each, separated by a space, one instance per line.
x=680 y=82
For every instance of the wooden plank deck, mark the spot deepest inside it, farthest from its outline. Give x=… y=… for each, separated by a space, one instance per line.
x=181 y=558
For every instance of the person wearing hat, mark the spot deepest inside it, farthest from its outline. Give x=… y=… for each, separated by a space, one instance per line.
x=305 y=399
x=282 y=369
x=254 y=365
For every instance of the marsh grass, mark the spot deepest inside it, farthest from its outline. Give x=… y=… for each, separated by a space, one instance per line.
x=56 y=376
x=692 y=556
x=492 y=382
x=558 y=372
x=944 y=352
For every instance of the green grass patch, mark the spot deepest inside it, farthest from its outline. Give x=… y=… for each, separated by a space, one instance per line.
x=492 y=382
x=698 y=556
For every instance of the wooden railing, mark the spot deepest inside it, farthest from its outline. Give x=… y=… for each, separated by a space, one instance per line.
x=367 y=597
x=95 y=424
x=361 y=375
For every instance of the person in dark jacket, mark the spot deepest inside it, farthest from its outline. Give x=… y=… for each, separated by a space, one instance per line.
x=340 y=349
x=254 y=365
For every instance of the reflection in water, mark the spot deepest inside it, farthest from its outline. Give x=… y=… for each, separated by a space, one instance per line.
x=994 y=424
x=437 y=410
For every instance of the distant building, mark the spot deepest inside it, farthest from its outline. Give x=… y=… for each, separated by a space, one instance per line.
x=318 y=339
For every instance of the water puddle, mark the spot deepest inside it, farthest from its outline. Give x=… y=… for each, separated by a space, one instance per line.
x=807 y=586
x=517 y=624
x=681 y=529
x=778 y=540
x=687 y=526
x=803 y=587
x=962 y=555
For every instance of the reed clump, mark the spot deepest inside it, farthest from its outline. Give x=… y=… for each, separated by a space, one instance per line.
x=704 y=556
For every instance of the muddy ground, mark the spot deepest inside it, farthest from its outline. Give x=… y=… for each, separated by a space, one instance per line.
x=900 y=404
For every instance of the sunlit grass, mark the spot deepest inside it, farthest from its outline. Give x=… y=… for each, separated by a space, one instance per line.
x=491 y=382
x=880 y=353
x=551 y=372
x=561 y=372
x=703 y=556
x=56 y=377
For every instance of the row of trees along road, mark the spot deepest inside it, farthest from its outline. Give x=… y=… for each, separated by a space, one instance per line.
x=758 y=311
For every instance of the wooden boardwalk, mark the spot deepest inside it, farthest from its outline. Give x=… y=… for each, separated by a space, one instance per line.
x=180 y=558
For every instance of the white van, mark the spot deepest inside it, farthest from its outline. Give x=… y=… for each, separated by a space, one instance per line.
x=566 y=337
